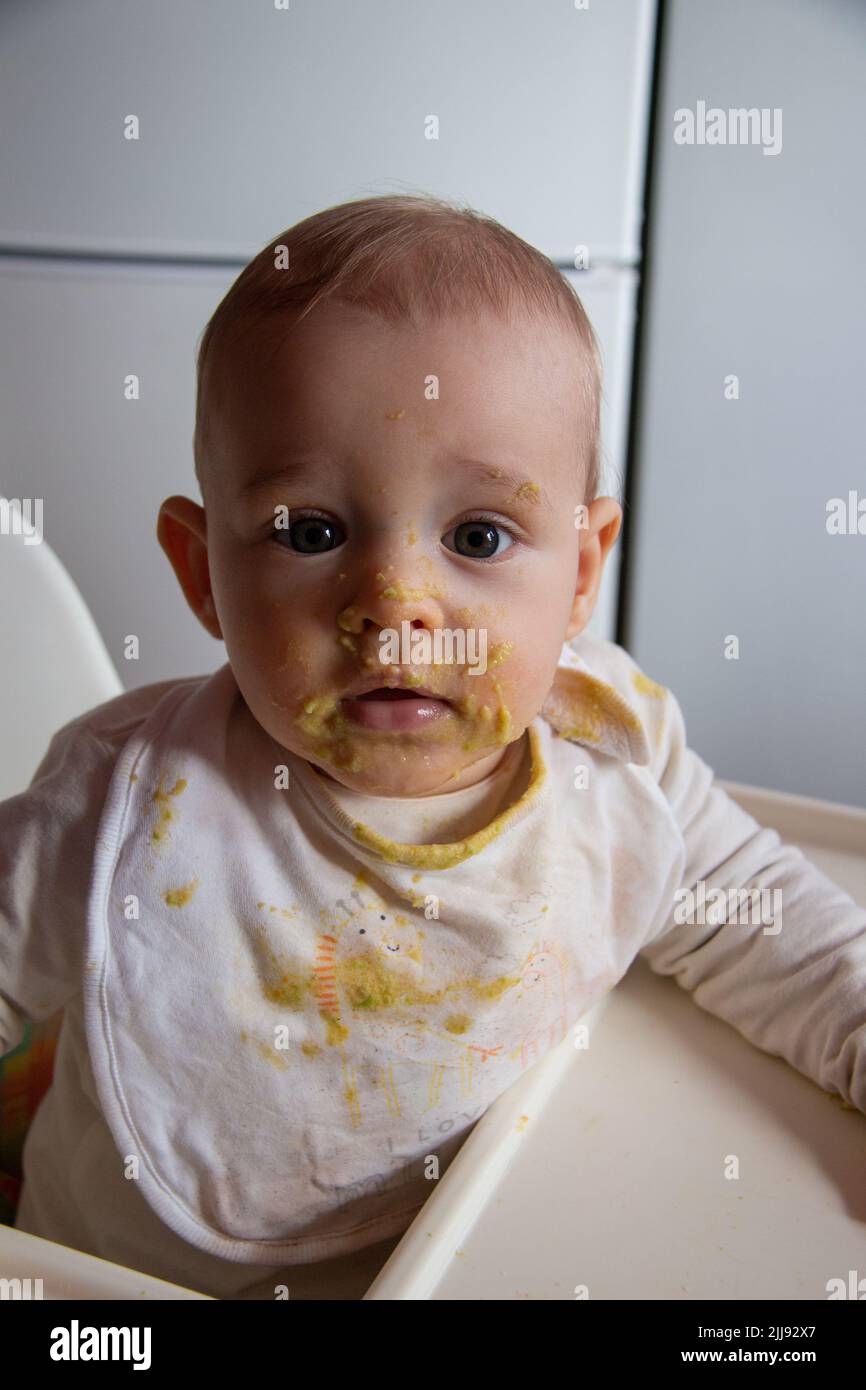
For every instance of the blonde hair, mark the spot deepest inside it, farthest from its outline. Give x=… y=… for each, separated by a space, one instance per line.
x=405 y=257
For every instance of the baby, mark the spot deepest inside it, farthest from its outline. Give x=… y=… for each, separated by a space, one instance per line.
x=309 y=916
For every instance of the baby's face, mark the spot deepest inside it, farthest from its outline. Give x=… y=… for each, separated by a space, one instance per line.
x=372 y=479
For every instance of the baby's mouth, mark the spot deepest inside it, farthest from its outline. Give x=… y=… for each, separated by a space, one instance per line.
x=395 y=708
x=384 y=692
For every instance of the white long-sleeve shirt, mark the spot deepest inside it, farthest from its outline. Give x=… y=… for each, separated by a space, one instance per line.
x=284 y=1000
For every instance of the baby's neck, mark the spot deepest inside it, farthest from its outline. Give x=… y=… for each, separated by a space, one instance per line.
x=469 y=777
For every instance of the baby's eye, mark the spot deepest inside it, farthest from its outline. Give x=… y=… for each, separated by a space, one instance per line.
x=477 y=539
x=311 y=533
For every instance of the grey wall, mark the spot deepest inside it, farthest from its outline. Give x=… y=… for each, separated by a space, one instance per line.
x=755 y=267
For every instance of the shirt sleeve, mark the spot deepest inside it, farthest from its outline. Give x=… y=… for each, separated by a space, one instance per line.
x=788 y=972
x=46 y=851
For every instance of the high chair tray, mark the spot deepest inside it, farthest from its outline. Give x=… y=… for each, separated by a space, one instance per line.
x=603 y=1173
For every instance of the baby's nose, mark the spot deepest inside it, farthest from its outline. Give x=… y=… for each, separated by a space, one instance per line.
x=386 y=599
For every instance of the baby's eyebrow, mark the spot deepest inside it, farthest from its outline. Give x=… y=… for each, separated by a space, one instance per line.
x=517 y=487
x=287 y=472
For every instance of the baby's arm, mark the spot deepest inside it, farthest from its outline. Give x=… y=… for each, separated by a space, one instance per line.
x=798 y=992
x=46 y=851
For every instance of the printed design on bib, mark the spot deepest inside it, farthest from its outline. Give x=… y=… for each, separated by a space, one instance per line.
x=392 y=997
x=544 y=983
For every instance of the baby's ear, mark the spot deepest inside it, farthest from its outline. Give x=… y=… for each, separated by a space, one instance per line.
x=598 y=535
x=181 y=530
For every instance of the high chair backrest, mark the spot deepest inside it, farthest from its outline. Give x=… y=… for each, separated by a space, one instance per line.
x=55 y=664
x=55 y=667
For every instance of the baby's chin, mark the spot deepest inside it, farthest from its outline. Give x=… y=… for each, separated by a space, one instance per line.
x=406 y=772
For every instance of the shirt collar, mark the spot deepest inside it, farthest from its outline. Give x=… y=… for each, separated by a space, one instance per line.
x=585 y=708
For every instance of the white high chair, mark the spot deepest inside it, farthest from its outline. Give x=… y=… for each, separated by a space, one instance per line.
x=57 y=665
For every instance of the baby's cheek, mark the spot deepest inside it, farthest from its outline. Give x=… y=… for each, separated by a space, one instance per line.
x=531 y=686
